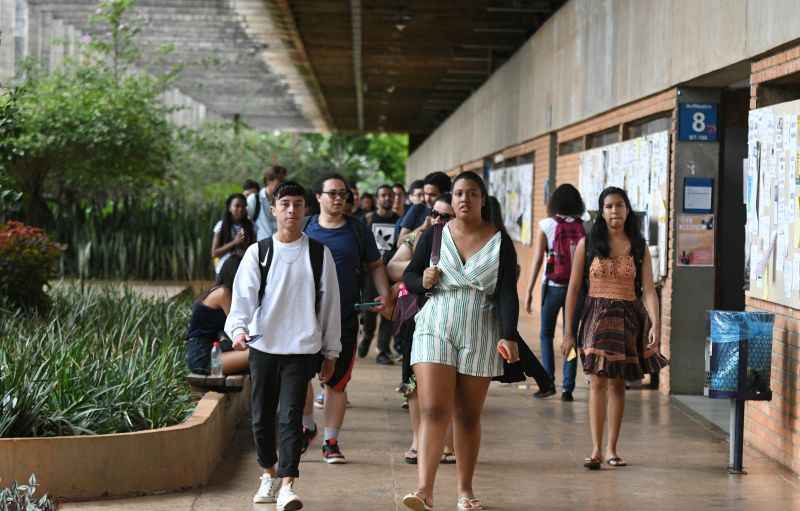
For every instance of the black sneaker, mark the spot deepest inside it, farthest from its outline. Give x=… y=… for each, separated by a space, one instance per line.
x=308 y=437
x=363 y=348
x=567 y=396
x=543 y=393
x=331 y=453
x=384 y=360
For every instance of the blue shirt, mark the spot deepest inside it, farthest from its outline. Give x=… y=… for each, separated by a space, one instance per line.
x=412 y=218
x=344 y=246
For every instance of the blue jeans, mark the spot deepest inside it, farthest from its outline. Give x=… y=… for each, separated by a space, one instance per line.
x=554 y=300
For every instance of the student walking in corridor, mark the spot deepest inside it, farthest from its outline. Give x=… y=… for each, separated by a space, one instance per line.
x=353 y=249
x=286 y=309
x=614 y=323
x=468 y=321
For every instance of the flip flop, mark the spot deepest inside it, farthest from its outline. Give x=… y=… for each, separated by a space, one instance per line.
x=616 y=462
x=448 y=458
x=593 y=463
x=469 y=504
x=411 y=460
x=416 y=502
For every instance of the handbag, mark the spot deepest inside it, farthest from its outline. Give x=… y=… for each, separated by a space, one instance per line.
x=408 y=304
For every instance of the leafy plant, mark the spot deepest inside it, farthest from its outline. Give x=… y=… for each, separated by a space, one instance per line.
x=88 y=127
x=28 y=261
x=20 y=497
x=146 y=238
x=101 y=361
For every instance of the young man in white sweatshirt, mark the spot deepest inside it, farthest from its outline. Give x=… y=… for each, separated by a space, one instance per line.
x=292 y=330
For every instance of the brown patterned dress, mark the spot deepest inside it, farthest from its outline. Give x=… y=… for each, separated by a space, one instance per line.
x=614 y=323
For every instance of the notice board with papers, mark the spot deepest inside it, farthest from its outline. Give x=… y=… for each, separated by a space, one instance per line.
x=772 y=199
x=641 y=167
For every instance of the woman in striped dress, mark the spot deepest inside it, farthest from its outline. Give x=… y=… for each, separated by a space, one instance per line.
x=615 y=320
x=470 y=317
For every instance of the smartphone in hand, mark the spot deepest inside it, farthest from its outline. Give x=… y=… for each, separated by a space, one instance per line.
x=361 y=307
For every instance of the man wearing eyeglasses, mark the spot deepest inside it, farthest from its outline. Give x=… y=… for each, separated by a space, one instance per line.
x=381 y=222
x=353 y=248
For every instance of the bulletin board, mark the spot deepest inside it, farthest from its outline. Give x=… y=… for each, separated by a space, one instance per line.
x=772 y=198
x=641 y=167
x=513 y=187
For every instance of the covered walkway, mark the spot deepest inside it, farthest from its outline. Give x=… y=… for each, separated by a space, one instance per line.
x=531 y=459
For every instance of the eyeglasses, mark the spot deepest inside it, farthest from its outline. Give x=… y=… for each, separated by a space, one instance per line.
x=444 y=216
x=342 y=194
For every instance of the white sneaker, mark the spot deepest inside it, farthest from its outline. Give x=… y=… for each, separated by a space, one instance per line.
x=288 y=499
x=268 y=491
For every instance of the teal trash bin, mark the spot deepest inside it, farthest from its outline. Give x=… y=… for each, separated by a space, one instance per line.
x=739 y=361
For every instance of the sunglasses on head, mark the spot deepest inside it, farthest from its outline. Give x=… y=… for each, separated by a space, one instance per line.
x=444 y=216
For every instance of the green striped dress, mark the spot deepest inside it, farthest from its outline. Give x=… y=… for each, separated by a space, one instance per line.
x=458 y=325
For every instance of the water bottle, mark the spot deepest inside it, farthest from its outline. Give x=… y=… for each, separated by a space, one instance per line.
x=216 y=360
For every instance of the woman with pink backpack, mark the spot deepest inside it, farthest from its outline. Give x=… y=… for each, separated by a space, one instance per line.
x=559 y=234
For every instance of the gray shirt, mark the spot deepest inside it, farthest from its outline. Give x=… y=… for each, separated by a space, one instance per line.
x=265 y=223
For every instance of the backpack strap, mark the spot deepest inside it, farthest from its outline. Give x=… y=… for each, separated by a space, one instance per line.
x=316 y=252
x=264 y=262
x=308 y=221
x=359 y=230
x=436 y=246
x=258 y=206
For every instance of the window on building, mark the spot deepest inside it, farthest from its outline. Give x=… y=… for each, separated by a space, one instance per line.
x=570 y=146
x=642 y=127
x=603 y=138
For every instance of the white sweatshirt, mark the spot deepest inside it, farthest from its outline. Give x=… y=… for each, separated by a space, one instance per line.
x=286 y=322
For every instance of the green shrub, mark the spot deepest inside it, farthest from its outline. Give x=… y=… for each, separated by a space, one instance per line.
x=28 y=261
x=147 y=239
x=100 y=361
x=20 y=497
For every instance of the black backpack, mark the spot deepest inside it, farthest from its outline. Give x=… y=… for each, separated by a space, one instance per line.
x=316 y=252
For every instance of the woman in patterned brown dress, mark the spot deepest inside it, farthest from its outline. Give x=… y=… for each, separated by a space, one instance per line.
x=620 y=312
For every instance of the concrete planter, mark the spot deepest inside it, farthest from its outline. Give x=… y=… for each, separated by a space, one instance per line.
x=166 y=459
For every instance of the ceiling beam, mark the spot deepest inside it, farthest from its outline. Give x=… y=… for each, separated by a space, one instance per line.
x=355 y=18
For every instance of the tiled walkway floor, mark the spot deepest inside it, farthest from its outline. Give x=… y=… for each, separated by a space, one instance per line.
x=530 y=459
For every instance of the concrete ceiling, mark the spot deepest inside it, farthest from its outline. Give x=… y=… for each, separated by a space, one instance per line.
x=404 y=66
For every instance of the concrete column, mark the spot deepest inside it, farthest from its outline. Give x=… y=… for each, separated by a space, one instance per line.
x=7 y=47
x=693 y=288
x=56 y=42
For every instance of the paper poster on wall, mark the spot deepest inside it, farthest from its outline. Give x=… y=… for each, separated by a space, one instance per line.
x=513 y=187
x=695 y=240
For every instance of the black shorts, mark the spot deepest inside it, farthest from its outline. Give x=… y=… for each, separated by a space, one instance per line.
x=344 y=364
x=198 y=353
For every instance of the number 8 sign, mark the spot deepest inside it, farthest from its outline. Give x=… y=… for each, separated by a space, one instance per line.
x=697 y=122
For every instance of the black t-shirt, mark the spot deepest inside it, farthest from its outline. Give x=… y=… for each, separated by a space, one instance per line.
x=382 y=227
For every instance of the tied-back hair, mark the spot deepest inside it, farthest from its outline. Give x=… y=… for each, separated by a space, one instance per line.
x=475 y=178
x=225 y=277
x=228 y=222
x=566 y=201
x=599 y=246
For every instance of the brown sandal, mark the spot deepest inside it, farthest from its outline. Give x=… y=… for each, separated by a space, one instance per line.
x=593 y=463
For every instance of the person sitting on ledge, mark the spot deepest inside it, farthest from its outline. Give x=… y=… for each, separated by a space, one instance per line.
x=207 y=325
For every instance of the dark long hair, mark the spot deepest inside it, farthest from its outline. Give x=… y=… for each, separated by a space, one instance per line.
x=566 y=201
x=475 y=178
x=228 y=222
x=495 y=213
x=598 y=240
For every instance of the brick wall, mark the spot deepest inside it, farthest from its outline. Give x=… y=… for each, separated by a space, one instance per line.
x=774 y=427
x=568 y=168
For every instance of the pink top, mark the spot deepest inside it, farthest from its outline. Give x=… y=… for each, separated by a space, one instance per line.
x=613 y=278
